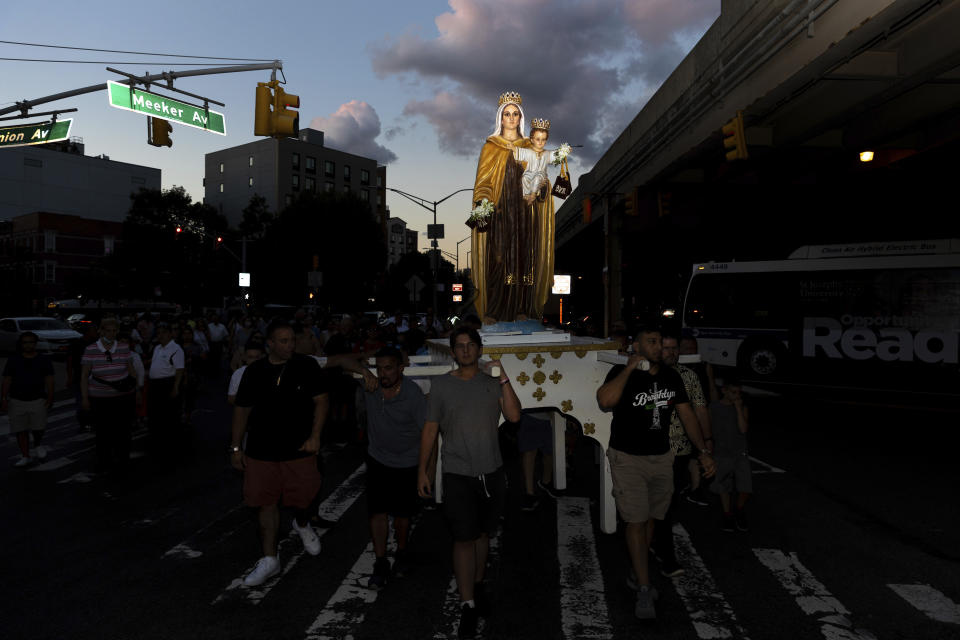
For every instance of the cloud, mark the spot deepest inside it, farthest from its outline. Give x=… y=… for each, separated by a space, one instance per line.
x=583 y=65
x=354 y=128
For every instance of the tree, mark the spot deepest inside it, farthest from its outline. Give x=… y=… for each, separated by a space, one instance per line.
x=257 y=218
x=184 y=265
x=339 y=229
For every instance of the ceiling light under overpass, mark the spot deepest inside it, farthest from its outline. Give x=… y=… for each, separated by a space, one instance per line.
x=866 y=156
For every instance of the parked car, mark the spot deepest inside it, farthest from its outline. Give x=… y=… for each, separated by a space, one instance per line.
x=54 y=335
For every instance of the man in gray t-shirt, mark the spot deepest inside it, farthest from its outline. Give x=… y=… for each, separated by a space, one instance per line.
x=466 y=405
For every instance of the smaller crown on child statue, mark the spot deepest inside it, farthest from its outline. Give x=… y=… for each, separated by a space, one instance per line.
x=510 y=97
x=541 y=123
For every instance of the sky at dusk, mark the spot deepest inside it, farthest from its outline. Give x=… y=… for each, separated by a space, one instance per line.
x=413 y=84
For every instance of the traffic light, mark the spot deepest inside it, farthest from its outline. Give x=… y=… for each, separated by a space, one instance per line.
x=179 y=230
x=218 y=243
x=631 y=204
x=734 y=139
x=273 y=115
x=663 y=203
x=286 y=121
x=587 y=211
x=160 y=131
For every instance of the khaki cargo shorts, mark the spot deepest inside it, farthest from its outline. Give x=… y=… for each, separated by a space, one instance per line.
x=642 y=485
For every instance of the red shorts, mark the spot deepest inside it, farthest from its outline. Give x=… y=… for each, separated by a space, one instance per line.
x=294 y=482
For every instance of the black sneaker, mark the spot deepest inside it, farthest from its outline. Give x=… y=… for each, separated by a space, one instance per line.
x=727 y=524
x=481 y=600
x=671 y=569
x=698 y=497
x=740 y=519
x=468 y=622
x=549 y=489
x=530 y=502
x=381 y=571
x=401 y=564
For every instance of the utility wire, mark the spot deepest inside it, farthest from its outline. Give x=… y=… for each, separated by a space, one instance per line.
x=138 y=53
x=151 y=62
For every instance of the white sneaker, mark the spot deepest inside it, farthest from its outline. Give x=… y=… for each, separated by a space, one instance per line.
x=22 y=462
x=266 y=567
x=311 y=541
x=41 y=452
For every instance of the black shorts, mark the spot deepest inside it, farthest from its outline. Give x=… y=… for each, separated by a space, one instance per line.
x=391 y=490
x=473 y=506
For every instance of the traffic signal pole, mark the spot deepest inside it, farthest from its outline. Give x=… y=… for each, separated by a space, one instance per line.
x=24 y=106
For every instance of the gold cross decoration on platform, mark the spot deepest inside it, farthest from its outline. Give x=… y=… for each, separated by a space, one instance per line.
x=566 y=406
x=539 y=377
x=556 y=377
x=539 y=360
x=589 y=428
x=539 y=394
x=523 y=378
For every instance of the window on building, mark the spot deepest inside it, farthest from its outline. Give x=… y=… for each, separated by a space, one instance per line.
x=50 y=241
x=311 y=164
x=329 y=168
x=328 y=187
x=221 y=167
x=346 y=172
x=108 y=242
x=310 y=184
x=379 y=180
x=221 y=187
x=295 y=161
x=379 y=200
x=364 y=195
x=49 y=271
x=346 y=188
x=250 y=161
x=288 y=199
x=295 y=182
x=364 y=176
x=250 y=181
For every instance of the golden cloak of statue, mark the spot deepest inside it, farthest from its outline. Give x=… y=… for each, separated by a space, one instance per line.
x=512 y=260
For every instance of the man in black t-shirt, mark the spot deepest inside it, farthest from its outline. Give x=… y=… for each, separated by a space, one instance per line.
x=643 y=394
x=281 y=406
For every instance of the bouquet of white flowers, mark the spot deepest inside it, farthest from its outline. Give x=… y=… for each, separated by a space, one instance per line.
x=481 y=214
x=559 y=155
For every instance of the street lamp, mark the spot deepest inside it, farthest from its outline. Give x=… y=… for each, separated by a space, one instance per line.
x=458 y=249
x=432 y=207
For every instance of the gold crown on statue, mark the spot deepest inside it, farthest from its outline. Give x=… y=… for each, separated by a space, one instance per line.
x=510 y=97
x=540 y=123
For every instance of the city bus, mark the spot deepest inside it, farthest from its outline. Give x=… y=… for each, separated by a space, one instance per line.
x=868 y=315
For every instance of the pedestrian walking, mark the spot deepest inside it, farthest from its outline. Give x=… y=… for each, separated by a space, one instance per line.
x=396 y=410
x=27 y=395
x=731 y=419
x=465 y=406
x=108 y=386
x=641 y=461
x=281 y=406
x=164 y=404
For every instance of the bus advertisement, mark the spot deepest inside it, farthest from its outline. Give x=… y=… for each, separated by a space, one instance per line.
x=871 y=315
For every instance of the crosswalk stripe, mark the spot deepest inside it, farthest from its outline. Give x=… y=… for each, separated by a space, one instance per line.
x=811 y=595
x=710 y=613
x=583 y=607
x=931 y=602
x=344 y=610
x=332 y=508
x=183 y=548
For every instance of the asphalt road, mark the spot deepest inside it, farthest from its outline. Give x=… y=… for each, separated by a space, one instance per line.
x=853 y=534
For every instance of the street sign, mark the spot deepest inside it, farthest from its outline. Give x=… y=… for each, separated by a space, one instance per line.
x=561 y=285
x=36 y=133
x=435 y=232
x=244 y=279
x=151 y=104
x=456 y=286
x=457 y=298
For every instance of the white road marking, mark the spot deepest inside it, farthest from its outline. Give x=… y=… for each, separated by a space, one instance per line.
x=332 y=508
x=56 y=463
x=583 y=606
x=710 y=613
x=932 y=603
x=183 y=550
x=344 y=611
x=767 y=468
x=811 y=595
x=81 y=478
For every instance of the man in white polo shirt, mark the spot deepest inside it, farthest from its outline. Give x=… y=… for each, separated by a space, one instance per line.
x=163 y=398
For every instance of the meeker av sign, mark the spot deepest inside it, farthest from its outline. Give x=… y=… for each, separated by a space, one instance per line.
x=165 y=108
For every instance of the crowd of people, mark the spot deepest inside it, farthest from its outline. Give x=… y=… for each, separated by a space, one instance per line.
x=294 y=383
